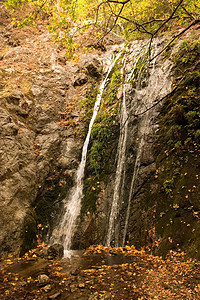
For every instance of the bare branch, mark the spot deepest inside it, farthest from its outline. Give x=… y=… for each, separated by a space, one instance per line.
x=157 y=20
x=150 y=22
x=107 y=2
x=98 y=7
x=115 y=22
x=165 y=22
x=118 y=2
x=140 y=27
x=170 y=17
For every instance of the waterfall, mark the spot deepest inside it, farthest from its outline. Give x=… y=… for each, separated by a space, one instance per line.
x=120 y=165
x=121 y=156
x=135 y=100
x=66 y=229
x=157 y=85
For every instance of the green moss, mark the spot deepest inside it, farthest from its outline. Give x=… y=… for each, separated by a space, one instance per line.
x=87 y=103
x=141 y=70
x=188 y=53
x=103 y=137
x=181 y=113
x=178 y=160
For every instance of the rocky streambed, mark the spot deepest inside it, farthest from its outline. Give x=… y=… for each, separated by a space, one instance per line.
x=100 y=273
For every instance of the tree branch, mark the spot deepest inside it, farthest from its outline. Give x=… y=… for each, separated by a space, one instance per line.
x=156 y=20
x=98 y=7
x=179 y=34
x=170 y=17
x=118 y=2
x=167 y=20
x=115 y=22
x=139 y=26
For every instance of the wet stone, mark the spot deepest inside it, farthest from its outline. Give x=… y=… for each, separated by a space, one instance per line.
x=93 y=296
x=106 y=296
x=46 y=288
x=74 y=271
x=73 y=288
x=55 y=296
x=81 y=285
x=23 y=283
x=43 y=279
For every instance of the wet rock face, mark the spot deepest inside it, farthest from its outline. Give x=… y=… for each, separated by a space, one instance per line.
x=131 y=220
x=43 y=279
x=39 y=147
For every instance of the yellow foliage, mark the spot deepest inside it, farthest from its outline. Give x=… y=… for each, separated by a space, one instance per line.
x=71 y=19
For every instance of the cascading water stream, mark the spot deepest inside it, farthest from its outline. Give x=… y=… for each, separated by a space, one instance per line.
x=119 y=170
x=72 y=208
x=121 y=156
x=158 y=86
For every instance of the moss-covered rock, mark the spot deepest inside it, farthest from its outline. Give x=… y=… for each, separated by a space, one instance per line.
x=103 y=138
x=174 y=189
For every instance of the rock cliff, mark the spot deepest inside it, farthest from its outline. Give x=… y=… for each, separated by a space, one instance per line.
x=40 y=129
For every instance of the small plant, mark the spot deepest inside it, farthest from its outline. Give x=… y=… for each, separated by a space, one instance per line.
x=178 y=145
x=197 y=135
x=192 y=265
x=168 y=185
x=175 y=206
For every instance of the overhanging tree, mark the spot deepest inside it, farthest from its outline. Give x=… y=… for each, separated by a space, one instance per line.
x=70 y=19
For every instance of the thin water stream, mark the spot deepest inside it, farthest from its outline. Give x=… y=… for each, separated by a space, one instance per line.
x=119 y=170
x=158 y=85
x=66 y=229
x=112 y=233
